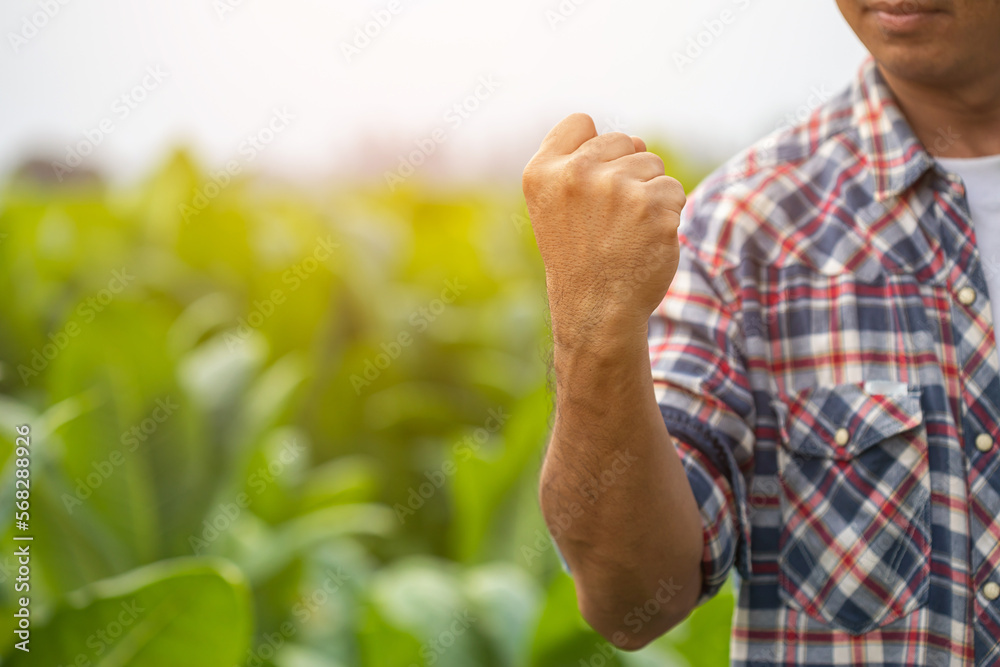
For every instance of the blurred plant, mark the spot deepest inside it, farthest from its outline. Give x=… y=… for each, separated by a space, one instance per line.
x=279 y=428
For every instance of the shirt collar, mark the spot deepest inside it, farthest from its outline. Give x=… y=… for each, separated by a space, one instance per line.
x=895 y=156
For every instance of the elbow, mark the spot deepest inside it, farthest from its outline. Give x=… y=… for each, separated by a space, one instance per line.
x=630 y=628
x=651 y=607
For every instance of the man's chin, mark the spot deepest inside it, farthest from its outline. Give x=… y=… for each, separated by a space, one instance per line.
x=923 y=66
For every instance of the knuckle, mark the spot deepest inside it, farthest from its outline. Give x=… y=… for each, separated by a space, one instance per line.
x=577 y=123
x=612 y=181
x=577 y=168
x=529 y=175
x=671 y=192
x=670 y=227
x=673 y=185
x=647 y=206
x=657 y=162
x=616 y=138
x=531 y=178
x=671 y=223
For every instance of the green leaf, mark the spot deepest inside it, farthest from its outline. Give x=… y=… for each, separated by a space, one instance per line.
x=217 y=372
x=703 y=638
x=268 y=397
x=348 y=479
x=191 y=612
x=212 y=311
x=562 y=637
x=261 y=551
x=506 y=600
x=383 y=643
x=485 y=481
x=294 y=655
x=423 y=598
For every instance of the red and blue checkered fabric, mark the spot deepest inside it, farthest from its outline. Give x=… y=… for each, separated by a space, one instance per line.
x=826 y=364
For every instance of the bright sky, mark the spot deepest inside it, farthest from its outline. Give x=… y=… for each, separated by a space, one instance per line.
x=224 y=70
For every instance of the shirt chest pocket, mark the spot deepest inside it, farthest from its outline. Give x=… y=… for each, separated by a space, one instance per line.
x=854 y=547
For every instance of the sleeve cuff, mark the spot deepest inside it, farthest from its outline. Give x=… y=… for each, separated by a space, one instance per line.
x=720 y=490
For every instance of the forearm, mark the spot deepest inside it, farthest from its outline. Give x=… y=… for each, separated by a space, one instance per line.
x=613 y=490
x=615 y=495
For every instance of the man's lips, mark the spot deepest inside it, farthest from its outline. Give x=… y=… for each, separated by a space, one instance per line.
x=904 y=6
x=904 y=16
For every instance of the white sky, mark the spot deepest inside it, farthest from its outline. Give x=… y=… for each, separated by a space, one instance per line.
x=227 y=73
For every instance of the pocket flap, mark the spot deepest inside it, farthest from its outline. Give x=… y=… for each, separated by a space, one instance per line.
x=812 y=420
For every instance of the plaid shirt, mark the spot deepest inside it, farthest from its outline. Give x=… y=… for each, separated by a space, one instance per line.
x=825 y=362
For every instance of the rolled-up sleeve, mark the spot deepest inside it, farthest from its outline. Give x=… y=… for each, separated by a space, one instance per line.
x=716 y=504
x=702 y=388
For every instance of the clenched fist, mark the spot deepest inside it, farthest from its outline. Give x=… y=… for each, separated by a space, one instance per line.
x=605 y=218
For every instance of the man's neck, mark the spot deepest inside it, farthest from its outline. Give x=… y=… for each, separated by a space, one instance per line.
x=961 y=121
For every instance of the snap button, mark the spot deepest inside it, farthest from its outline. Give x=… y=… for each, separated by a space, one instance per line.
x=984 y=442
x=991 y=590
x=842 y=436
x=966 y=296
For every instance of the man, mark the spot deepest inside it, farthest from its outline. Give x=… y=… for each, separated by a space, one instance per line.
x=815 y=402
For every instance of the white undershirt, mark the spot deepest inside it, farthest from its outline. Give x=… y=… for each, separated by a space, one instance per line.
x=982 y=190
